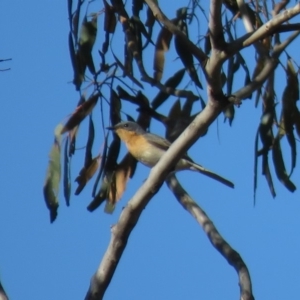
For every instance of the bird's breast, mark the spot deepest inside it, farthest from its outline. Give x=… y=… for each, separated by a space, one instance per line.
x=144 y=152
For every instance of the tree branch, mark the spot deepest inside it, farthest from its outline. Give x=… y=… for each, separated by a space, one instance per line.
x=269 y=67
x=265 y=30
x=3 y=295
x=232 y=256
x=160 y=16
x=215 y=25
x=131 y=213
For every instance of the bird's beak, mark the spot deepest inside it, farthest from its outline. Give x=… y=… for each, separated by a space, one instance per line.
x=110 y=128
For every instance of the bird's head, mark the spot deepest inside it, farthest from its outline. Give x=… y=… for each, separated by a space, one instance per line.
x=125 y=130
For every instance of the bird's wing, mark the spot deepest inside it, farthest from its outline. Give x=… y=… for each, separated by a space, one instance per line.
x=157 y=141
x=162 y=143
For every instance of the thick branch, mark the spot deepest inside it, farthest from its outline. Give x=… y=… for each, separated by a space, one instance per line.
x=134 y=208
x=215 y=25
x=232 y=256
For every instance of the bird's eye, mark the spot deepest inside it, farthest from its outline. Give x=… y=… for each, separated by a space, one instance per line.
x=125 y=125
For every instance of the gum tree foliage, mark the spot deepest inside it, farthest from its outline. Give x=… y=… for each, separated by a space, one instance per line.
x=107 y=79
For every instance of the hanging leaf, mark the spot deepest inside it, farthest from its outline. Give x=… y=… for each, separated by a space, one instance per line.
x=101 y=168
x=128 y=60
x=172 y=82
x=72 y=136
x=267 y=173
x=90 y=142
x=162 y=45
x=187 y=60
x=289 y=111
x=115 y=108
x=139 y=27
x=87 y=173
x=150 y=18
x=78 y=78
x=100 y=197
x=297 y=121
x=134 y=80
x=88 y=33
x=121 y=176
x=175 y=111
x=265 y=168
x=67 y=174
x=80 y=113
x=108 y=171
x=90 y=164
x=141 y=99
x=149 y=23
x=110 y=20
x=130 y=118
x=80 y=70
x=51 y=186
x=280 y=167
x=137 y=6
x=124 y=94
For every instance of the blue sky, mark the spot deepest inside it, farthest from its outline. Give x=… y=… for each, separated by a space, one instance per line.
x=168 y=255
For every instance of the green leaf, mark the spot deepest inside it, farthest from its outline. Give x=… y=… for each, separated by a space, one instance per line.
x=51 y=186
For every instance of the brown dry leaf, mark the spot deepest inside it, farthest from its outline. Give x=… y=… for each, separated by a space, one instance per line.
x=87 y=173
x=162 y=45
x=80 y=113
x=121 y=176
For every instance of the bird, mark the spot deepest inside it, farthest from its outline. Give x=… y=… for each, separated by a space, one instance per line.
x=148 y=148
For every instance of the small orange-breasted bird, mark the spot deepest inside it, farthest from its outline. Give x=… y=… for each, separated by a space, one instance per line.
x=148 y=148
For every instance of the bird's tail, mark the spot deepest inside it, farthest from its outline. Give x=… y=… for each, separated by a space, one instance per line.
x=202 y=170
